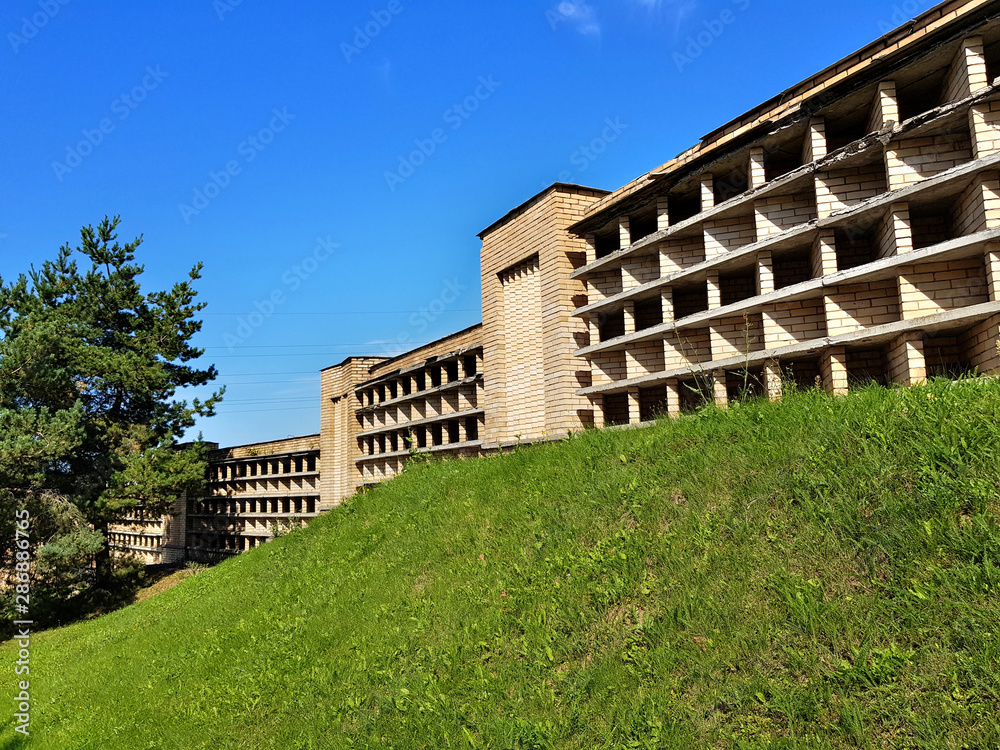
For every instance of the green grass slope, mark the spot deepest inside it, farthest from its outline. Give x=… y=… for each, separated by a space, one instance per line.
x=821 y=573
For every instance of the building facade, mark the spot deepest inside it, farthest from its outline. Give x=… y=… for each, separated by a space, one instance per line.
x=846 y=231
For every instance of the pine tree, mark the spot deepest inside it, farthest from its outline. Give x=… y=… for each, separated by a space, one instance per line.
x=90 y=366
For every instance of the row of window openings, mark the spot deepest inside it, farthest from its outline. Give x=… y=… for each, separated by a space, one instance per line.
x=298 y=465
x=944 y=358
x=119 y=539
x=427 y=436
x=854 y=246
x=228 y=542
x=269 y=505
x=439 y=375
x=922 y=95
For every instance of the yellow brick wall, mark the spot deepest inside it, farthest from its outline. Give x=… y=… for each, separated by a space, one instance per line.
x=854 y=306
x=728 y=234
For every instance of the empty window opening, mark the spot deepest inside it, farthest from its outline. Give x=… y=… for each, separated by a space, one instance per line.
x=856 y=245
x=437 y=434
x=471 y=365
x=933 y=223
x=866 y=366
x=394 y=442
x=730 y=184
x=615 y=408
x=381 y=444
x=371 y=446
x=696 y=393
x=471 y=428
x=792 y=268
x=435 y=377
x=381 y=393
x=945 y=357
x=648 y=313
x=612 y=325
x=736 y=287
x=406 y=386
x=653 y=403
x=992 y=53
x=851 y=127
x=642 y=225
x=780 y=161
x=608 y=242
x=311 y=463
x=452 y=369
x=683 y=207
x=690 y=300
x=393 y=390
x=745 y=384
x=421 y=437
x=286 y=505
x=421 y=380
x=311 y=505
x=922 y=95
x=453 y=431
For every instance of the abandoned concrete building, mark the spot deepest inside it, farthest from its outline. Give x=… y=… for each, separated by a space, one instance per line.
x=846 y=230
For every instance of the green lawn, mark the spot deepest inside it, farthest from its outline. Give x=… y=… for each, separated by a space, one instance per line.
x=821 y=573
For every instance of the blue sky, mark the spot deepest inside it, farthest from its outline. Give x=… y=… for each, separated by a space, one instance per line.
x=332 y=162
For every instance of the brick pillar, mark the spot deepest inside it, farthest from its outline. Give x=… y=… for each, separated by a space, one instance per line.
x=629 y=317
x=984 y=124
x=907 y=365
x=993 y=271
x=968 y=71
x=765 y=272
x=758 y=174
x=667 y=305
x=673 y=398
x=814 y=148
x=895 y=235
x=634 y=410
x=886 y=107
x=707 y=192
x=833 y=368
x=714 y=291
x=591 y=249
x=625 y=231
x=772 y=379
x=719 y=389
x=824 y=254
x=598 y=403
x=594 y=329
x=662 y=214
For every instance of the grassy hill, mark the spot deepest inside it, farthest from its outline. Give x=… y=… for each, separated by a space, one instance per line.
x=812 y=574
